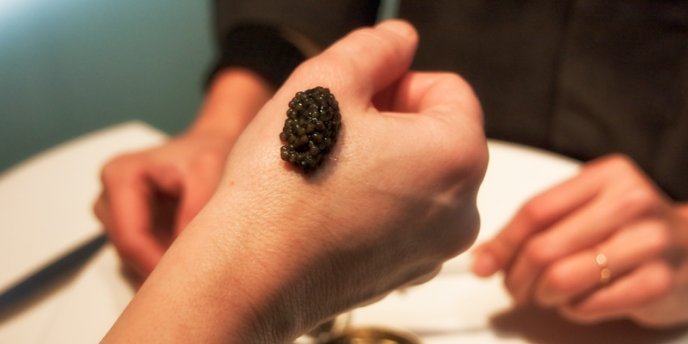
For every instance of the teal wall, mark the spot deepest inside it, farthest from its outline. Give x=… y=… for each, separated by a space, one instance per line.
x=68 y=67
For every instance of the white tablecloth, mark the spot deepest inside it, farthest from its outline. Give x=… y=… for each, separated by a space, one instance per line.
x=45 y=208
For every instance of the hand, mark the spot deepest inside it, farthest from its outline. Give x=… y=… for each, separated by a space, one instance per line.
x=548 y=249
x=275 y=252
x=149 y=196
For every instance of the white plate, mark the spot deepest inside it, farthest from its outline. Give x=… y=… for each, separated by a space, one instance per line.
x=45 y=208
x=457 y=307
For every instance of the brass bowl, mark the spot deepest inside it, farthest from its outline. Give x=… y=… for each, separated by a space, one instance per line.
x=375 y=335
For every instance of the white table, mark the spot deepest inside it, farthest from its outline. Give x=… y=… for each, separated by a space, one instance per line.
x=45 y=208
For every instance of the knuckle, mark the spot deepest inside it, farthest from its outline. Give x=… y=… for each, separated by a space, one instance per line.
x=536 y=211
x=115 y=170
x=465 y=93
x=97 y=209
x=610 y=165
x=617 y=161
x=459 y=236
x=660 y=281
x=538 y=252
x=559 y=280
x=638 y=201
x=659 y=239
x=108 y=172
x=462 y=164
x=127 y=247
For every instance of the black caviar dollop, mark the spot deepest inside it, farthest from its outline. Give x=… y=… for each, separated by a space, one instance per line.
x=311 y=128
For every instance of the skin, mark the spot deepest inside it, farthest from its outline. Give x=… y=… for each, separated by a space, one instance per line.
x=547 y=250
x=149 y=196
x=274 y=252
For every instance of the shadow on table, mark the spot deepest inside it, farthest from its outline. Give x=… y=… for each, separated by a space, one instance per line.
x=548 y=327
x=11 y=308
x=48 y=280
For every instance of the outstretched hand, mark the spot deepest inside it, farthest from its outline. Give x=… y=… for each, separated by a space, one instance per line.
x=275 y=251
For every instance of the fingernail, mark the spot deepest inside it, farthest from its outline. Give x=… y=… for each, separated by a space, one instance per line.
x=484 y=264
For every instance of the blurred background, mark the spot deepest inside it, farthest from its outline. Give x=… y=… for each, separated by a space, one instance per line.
x=68 y=67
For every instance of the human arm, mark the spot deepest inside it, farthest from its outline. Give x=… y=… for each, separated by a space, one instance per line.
x=149 y=196
x=274 y=252
x=548 y=250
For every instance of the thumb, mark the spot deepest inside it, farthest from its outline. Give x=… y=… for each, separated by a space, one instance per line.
x=362 y=63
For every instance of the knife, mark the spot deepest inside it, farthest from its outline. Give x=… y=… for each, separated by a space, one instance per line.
x=49 y=274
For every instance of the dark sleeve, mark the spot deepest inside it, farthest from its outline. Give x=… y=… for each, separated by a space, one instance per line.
x=272 y=37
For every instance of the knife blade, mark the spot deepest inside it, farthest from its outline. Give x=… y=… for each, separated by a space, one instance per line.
x=47 y=275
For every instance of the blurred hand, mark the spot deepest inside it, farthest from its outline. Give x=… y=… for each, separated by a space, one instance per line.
x=275 y=252
x=149 y=196
x=549 y=249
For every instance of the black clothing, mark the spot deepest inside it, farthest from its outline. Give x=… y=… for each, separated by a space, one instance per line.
x=580 y=77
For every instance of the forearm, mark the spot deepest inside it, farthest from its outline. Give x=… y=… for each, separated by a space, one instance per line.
x=234 y=97
x=206 y=292
x=275 y=251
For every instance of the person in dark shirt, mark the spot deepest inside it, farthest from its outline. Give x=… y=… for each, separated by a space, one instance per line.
x=603 y=82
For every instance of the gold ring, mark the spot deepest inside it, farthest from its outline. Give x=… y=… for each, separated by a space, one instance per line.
x=605 y=273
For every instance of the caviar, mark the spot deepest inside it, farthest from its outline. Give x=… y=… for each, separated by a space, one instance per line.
x=311 y=128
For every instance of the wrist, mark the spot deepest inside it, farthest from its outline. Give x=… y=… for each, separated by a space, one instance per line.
x=233 y=99
x=216 y=283
x=273 y=290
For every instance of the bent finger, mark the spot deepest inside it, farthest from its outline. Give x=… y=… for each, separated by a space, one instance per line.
x=130 y=231
x=640 y=287
x=536 y=215
x=431 y=93
x=582 y=230
x=583 y=272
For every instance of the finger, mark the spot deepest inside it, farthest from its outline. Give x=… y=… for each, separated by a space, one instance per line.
x=440 y=94
x=534 y=216
x=169 y=182
x=362 y=63
x=100 y=211
x=580 y=230
x=625 y=200
x=128 y=199
x=644 y=285
x=618 y=204
x=579 y=274
x=167 y=178
x=164 y=208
